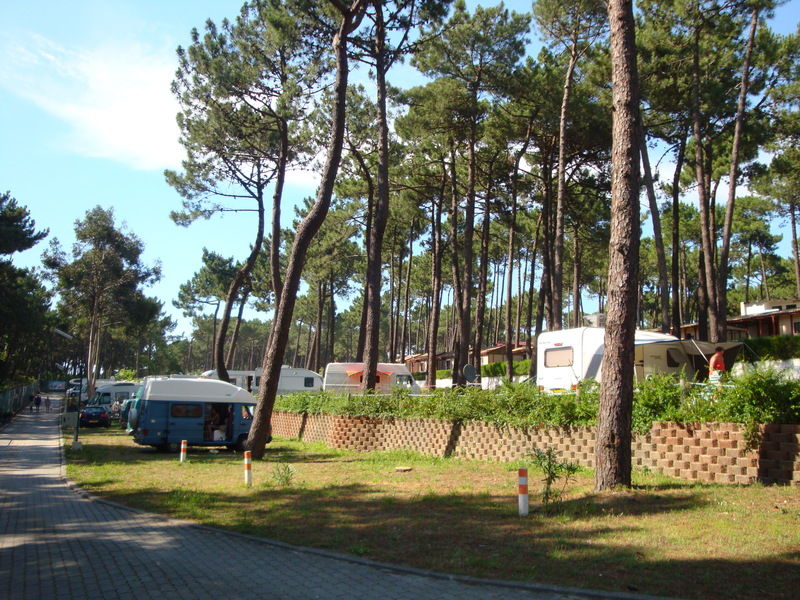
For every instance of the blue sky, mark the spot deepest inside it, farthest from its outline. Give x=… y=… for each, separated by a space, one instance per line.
x=87 y=118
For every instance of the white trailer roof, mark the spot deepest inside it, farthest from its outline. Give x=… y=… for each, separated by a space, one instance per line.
x=195 y=390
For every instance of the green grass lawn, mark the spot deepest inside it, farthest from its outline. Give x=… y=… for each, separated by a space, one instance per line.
x=663 y=537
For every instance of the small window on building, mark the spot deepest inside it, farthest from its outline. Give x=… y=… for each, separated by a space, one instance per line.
x=186 y=411
x=558 y=357
x=308 y=382
x=258 y=381
x=790 y=306
x=777 y=307
x=796 y=327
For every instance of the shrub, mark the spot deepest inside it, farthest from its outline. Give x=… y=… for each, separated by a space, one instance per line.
x=498 y=369
x=775 y=347
x=760 y=396
x=657 y=398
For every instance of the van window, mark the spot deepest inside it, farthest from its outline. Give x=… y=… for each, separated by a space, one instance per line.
x=308 y=382
x=405 y=380
x=247 y=411
x=558 y=357
x=193 y=411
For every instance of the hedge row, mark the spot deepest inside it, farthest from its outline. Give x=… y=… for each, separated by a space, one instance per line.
x=774 y=347
x=760 y=396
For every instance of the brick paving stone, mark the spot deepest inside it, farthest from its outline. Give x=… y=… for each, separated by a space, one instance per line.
x=57 y=542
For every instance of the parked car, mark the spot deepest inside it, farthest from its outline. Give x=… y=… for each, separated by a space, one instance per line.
x=94 y=416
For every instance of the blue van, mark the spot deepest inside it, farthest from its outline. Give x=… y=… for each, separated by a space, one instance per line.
x=204 y=412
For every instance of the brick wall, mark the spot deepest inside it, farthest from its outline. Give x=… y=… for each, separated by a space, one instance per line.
x=708 y=452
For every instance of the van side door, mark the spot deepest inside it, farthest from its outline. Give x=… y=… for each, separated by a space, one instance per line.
x=185 y=422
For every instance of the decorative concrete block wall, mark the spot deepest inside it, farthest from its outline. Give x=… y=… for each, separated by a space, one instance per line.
x=708 y=452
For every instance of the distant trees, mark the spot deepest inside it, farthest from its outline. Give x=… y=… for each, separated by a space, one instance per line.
x=24 y=303
x=99 y=279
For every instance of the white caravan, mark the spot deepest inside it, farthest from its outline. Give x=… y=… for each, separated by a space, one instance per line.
x=348 y=378
x=566 y=357
x=113 y=393
x=291 y=380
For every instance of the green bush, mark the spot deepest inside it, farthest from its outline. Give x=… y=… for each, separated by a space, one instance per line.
x=657 y=398
x=498 y=369
x=444 y=374
x=775 y=347
x=760 y=396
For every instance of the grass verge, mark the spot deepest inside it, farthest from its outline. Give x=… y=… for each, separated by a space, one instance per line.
x=663 y=537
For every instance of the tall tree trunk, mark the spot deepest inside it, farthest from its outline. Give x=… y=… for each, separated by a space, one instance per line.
x=795 y=253
x=661 y=257
x=702 y=298
x=436 y=282
x=747 y=276
x=277 y=196
x=237 y=327
x=733 y=179
x=329 y=353
x=308 y=228
x=373 y=283
x=706 y=232
x=764 y=274
x=367 y=176
x=557 y=275
x=405 y=330
x=530 y=343
x=676 y=238
x=480 y=301
x=240 y=278
x=576 y=280
x=613 y=446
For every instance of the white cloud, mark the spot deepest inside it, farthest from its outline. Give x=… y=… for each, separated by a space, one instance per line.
x=116 y=99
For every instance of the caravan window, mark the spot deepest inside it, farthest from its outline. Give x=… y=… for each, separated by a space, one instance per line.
x=190 y=411
x=673 y=358
x=308 y=382
x=558 y=357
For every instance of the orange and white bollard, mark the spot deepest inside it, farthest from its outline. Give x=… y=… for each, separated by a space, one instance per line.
x=248 y=473
x=522 y=492
x=183 y=451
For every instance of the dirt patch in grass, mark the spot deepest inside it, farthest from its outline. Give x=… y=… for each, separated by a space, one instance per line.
x=663 y=537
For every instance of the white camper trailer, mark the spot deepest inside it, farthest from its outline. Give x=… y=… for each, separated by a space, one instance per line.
x=568 y=356
x=348 y=378
x=291 y=380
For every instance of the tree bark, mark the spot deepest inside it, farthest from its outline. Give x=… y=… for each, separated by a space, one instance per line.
x=613 y=447
x=373 y=283
x=676 y=238
x=308 y=228
x=242 y=275
x=733 y=179
x=661 y=257
x=436 y=282
x=706 y=233
x=557 y=275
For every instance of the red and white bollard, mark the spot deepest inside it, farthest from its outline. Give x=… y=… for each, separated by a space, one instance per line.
x=522 y=492
x=248 y=473
x=183 y=451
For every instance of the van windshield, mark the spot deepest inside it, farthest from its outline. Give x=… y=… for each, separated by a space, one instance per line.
x=405 y=380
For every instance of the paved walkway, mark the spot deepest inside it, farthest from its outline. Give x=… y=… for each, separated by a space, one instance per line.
x=57 y=542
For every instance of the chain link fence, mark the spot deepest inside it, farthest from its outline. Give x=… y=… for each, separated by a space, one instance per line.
x=14 y=399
